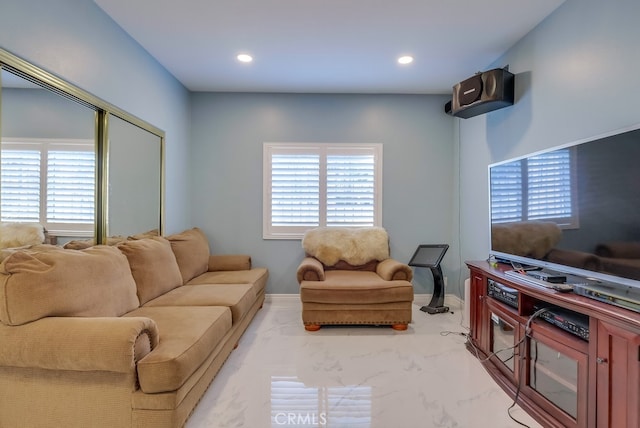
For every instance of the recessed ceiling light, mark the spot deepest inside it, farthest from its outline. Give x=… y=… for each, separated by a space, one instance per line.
x=407 y=59
x=244 y=58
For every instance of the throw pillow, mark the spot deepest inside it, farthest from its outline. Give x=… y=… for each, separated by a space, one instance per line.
x=191 y=249
x=153 y=266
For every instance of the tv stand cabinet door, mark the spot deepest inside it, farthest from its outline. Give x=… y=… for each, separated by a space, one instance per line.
x=478 y=313
x=617 y=377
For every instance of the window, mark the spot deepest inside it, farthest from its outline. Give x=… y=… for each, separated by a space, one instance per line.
x=310 y=185
x=540 y=187
x=51 y=182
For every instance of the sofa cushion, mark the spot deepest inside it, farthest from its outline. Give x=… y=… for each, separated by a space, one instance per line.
x=95 y=282
x=356 y=287
x=256 y=276
x=191 y=249
x=188 y=335
x=238 y=297
x=153 y=266
x=229 y=262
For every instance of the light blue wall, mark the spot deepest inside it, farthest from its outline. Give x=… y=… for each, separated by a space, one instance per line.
x=576 y=78
x=228 y=131
x=75 y=40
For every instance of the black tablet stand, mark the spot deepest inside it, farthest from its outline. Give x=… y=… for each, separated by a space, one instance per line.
x=430 y=256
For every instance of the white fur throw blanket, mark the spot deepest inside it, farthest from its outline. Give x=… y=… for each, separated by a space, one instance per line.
x=20 y=234
x=355 y=246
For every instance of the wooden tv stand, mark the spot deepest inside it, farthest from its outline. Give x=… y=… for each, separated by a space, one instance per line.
x=560 y=379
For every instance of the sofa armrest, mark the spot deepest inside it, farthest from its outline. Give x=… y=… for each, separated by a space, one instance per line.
x=573 y=258
x=112 y=344
x=310 y=269
x=227 y=262
x=619 y=250
x=391 y=270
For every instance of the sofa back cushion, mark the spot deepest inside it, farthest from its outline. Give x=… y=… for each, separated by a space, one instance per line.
x=83 y=244
x=95 y=282
x=191 y=249
x=153 y=266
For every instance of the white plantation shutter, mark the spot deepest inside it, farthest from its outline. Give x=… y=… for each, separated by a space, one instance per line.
x=51 y=182
x=310 y=185
x=550 y=186
x=540 y=187
x=506 y=192
x=71 y=187
x=20 y=192
x=350 y=190
x=295 y=186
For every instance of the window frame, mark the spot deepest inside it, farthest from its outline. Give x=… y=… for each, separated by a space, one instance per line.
x=44 y=146
x=269 y=231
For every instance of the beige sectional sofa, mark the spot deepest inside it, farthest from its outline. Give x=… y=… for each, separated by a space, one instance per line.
x=119 y=336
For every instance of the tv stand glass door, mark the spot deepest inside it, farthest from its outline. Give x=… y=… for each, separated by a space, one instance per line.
x=556 y=377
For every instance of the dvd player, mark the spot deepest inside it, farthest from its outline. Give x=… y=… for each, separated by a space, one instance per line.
x=618 y=295
x=549 y=277
x=535 y=281
x=503 y=293
x=567 y=320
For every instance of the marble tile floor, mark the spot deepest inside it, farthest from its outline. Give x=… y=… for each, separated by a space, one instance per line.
x=350 y=377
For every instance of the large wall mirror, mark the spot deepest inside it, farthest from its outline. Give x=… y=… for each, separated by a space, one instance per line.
x=74 y=163
x=134 y=175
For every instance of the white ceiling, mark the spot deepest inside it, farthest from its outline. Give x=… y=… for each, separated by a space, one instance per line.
x=327 y=46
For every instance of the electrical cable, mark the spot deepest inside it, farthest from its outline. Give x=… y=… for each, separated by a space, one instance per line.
x=521 y=359
x=527 y=333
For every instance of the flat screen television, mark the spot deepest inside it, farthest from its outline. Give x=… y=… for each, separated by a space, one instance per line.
x=573 y=208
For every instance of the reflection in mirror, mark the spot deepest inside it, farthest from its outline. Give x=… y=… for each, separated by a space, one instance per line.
x=48 y=160
x=134 y=197
x=74 y=183
x=298 y=403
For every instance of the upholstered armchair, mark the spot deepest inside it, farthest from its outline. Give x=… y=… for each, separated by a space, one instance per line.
x=348 y=277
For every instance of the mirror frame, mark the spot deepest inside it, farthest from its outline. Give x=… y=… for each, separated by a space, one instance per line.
x=103 y=109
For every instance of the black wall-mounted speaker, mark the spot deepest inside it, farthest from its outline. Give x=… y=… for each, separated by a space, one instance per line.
x=482 y=93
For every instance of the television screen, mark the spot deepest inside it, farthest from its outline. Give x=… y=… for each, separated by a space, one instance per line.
x=428 y=255
x=575 y=208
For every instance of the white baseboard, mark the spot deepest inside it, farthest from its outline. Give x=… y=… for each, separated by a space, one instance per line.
x=271 y=298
